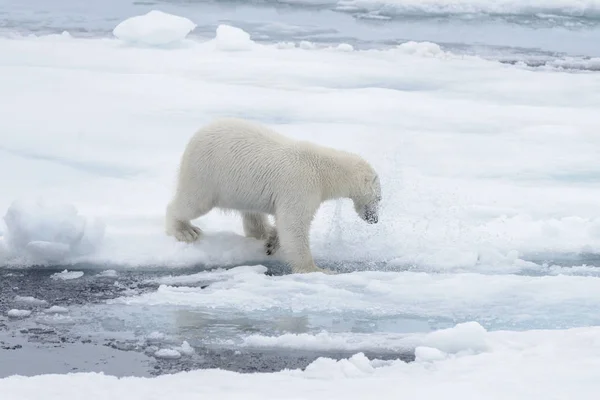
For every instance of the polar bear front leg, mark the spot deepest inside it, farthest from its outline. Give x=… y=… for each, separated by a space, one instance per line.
x=293 y=230
x=178 y=217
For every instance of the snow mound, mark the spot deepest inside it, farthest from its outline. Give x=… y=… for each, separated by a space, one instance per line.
x=50 y=232
x=230 y=38
x=155 y=28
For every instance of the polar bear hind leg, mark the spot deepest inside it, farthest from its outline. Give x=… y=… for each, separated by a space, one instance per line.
x=272 y=243
x=257 y=225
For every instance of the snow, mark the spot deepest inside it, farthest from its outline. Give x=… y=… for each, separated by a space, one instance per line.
x=155 y=28
x=15 y=313
x=517 y=365
x=67 y=275
x=526 y=197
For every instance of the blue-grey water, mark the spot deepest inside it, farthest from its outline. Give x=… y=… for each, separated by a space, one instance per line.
x=519 y=33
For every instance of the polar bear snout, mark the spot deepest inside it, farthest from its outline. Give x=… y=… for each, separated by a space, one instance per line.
x=369 y=213
x=371 y=217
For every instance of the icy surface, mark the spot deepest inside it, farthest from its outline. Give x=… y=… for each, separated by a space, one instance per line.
x=498 y=301
x=155 y=28
x=521 y=361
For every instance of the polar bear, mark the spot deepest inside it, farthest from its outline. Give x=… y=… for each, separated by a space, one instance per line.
x=235 y=164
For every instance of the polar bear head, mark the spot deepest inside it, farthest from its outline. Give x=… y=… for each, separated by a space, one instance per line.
x=366 y=201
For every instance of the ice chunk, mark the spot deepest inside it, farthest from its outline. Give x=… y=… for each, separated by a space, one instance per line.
x=167 y=354
x=50 y=232
x=230 y=38
x=155 y=336
x=345 y=47
x=109 y=273
x=465 y=337
x=306 y=45
x=156 y=28
x=422 y=49
x=15 y=313
x=185 y=349
x=30 y=300
x=56 y=310
x=66 y=275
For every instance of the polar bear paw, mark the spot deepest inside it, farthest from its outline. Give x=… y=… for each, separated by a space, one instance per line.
x=272 y=243
x=185 y=232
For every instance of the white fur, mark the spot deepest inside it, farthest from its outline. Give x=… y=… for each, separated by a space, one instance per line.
x=234 y=164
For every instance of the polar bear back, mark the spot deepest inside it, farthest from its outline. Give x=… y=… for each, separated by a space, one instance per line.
x=244 y=166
